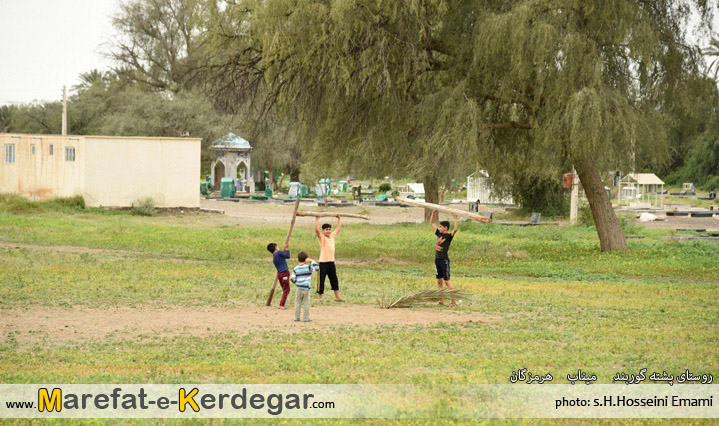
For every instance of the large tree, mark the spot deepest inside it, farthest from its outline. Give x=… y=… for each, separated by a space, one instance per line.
x=425 y=86
x=155 y=42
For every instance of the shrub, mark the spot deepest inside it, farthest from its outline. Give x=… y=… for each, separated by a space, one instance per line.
x=76 y=202
x=144 y=206
x=383 y=188
x=585 y=216
x=712 y=183
x=543 y=196
x=17 y=204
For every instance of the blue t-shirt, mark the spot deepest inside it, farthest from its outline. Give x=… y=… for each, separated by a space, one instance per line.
x=278 y=258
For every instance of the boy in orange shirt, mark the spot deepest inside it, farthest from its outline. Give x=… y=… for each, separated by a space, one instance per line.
x=327 y=257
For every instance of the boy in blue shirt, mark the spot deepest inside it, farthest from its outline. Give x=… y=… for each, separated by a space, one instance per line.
x=279 y=258
x=302 y=276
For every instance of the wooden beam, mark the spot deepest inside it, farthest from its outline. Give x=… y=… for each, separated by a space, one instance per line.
x=437 y=207
x=327 y=214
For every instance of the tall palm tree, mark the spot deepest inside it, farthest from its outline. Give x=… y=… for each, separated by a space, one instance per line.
x=713 y=50
x=89 y=78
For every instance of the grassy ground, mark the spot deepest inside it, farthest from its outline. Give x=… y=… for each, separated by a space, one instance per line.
x=563 y=305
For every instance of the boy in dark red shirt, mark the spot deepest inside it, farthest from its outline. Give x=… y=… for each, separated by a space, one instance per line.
x=441 y=259
x=279 y=258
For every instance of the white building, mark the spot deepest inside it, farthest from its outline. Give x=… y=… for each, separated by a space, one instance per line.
x=641 y=190
x=480 y=190
x=106 y=170
x=416 y=190
x=233 y=159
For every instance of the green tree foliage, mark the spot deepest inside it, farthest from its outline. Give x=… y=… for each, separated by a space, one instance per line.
x=8 y=114
x=107 y=104
x=159 y=44
x=141 y=113
x=155 y=42
x=426 y=87
x=713 y=52
x=702 y=166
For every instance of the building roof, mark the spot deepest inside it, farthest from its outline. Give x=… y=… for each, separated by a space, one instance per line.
x=414 y=187
x=645 y=178
x=478 y=174
x=231 y=140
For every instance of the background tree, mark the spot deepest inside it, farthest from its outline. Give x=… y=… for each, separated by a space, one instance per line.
x=712 y=51
x=155 y=42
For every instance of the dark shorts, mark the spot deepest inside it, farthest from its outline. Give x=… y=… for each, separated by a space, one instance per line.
x=441 y=267
x=328 y=270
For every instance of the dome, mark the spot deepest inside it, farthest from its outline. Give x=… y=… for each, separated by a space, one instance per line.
x=231 y=141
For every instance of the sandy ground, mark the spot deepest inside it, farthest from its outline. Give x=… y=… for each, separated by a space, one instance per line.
x=684 y=222
x=280 y=214
x=60 y=325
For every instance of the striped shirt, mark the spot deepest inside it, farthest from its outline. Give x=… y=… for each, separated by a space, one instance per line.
x=302 y=275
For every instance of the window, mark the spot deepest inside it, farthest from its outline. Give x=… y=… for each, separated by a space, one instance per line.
x=52 y=149
x=10 y=154
x=69 y=154
x=32 y=149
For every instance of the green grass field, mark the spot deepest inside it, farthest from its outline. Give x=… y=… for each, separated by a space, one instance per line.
x=561 y=304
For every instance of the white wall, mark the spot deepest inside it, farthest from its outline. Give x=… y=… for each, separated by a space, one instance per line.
x=41 y=175
x=121 y=170
x=480 y=189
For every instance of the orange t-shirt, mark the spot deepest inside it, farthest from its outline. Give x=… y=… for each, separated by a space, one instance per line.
x=327 y=248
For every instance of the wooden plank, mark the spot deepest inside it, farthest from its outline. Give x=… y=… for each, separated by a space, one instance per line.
x=327 y=214
x=437 y=207
x=287 y=241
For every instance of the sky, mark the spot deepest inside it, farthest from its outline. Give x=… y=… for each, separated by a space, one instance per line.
x=45 y=44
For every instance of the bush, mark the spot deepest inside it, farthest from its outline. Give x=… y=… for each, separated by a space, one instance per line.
x=585 y=216
x=77 y=202
x=14 y=203
x=712 y=183
x=543 y=196
x=702 y=165
x=383 y=188
x=144 y=206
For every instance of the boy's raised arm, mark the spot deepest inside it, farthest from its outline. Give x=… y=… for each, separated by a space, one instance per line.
x=286 y=253
x=339 y=223
x=317 y=227
x=431 y=220
x=455 y=224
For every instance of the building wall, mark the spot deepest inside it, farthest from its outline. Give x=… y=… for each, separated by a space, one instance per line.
x=121 y=170
x=479 y=189
x=41 y=175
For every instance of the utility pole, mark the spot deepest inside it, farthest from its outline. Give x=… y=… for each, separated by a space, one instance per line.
x=574 y=200
x=64 y=110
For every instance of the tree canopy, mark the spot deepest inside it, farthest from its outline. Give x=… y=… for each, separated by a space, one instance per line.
x=432 y=86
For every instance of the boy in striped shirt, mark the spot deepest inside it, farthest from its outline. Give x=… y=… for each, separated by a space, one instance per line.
x=302 y=276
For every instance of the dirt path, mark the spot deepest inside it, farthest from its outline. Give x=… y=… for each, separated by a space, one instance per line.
x=59 y=325
x=276 y=214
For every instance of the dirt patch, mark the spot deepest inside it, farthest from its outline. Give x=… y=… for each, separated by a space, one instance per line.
x=58 y=325
x=684 y=222
x=89 y=250
x=280 y=214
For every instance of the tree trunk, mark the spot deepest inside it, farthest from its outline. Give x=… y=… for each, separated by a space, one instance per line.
x=294 y=174
x=611 y=234
x=431 y=194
